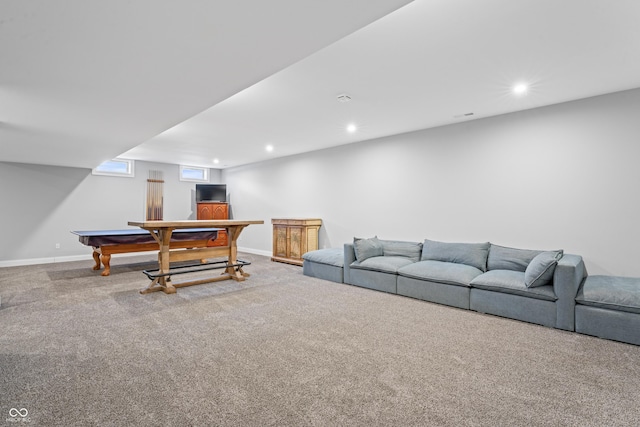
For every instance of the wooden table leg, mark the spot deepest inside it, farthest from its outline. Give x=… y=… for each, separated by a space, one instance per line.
x=236 y=273
x=162 y=283
x=165 y=266
x=106 y=261
x=96 y=258
x=99 y=257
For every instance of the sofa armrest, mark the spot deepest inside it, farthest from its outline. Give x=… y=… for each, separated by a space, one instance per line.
x=569 y=275
x=349 y=258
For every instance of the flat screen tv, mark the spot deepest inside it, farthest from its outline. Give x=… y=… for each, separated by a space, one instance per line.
x=211 y=193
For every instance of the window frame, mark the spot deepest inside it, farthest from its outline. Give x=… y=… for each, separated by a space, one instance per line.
x=130 y=168
x=205 y=173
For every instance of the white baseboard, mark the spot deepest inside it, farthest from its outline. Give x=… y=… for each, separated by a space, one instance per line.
x=85 y=257
x=51 y=260
x=255 y=251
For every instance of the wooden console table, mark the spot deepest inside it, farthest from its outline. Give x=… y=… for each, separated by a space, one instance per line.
x=161 y=232
x=293 y=237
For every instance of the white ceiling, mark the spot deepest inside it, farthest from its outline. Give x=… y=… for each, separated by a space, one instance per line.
x=192 y=81
x=82 y=81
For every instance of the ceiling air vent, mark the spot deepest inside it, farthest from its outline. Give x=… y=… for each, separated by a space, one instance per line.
x=344 y=98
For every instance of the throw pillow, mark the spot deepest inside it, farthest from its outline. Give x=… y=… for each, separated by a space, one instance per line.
x=367 y=248
x=540 y=270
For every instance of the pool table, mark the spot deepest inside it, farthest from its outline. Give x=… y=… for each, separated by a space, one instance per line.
x=108 y=242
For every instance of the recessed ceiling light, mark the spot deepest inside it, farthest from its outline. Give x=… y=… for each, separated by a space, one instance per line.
x=520 y=89
x=269 y=148
x=351 y=128
x=344 y=98
x=216 y=161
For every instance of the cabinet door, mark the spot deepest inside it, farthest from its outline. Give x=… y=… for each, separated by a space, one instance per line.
x=220 y=211
x=296 y=242
x=204 y=211
x=280 y=241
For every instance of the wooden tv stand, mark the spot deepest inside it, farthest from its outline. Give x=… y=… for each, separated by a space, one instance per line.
x=207 y=211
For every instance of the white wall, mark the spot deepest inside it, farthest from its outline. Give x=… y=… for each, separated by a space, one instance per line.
x=564 y=176
x=42 y=204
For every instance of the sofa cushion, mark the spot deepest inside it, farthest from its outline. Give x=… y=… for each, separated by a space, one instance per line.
x=328 y=256
x=540 y=270
x=367 y=248
x=511 y=282
x=385 y=264
x=411 y=250
x=504 y=258
x=611 y=292
x=472 y=254
x=442 y=272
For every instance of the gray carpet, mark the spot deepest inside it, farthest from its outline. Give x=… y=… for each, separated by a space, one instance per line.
x=78 y=349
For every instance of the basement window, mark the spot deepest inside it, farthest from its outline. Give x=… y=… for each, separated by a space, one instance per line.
x=194 y=174
x=115 y=167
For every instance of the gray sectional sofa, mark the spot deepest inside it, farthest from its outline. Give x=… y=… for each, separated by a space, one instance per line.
x=327 y=264
x=609 y=307
x=529 y=285
x=549 y=288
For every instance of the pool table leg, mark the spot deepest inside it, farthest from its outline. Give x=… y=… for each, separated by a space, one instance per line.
x=96 y=258
x=106 y=260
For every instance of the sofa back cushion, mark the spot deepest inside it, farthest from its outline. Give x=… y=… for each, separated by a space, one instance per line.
x=411 y=250
x=504 y=258
x=367 y=248
x=473 y=254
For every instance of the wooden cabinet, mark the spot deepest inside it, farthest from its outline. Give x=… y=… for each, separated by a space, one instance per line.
x=214 y=210
x=292 y=237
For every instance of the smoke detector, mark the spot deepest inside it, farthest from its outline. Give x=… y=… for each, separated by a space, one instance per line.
x=344 y=98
